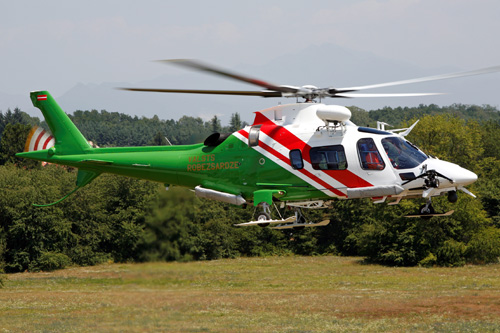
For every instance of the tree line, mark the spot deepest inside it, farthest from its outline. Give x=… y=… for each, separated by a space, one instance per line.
x=121 y=219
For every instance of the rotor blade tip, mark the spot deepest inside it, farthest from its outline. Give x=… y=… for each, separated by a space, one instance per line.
x=167 y=61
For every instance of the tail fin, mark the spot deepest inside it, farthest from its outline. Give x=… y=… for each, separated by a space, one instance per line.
x=68 y=139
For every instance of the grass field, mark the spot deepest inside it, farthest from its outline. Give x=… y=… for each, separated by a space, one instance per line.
x=285 y=294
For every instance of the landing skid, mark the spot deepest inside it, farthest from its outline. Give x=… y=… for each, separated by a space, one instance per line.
x=301 y=225
x=298 y=221
x=291 y=219
x=431 y=215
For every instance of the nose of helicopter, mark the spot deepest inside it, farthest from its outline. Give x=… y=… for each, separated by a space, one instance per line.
x=460 y=176
x=465 y=177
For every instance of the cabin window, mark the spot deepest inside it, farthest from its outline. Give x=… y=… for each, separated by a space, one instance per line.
x=253 y=136
x=296 y=159
x=369 y=156
x=328 y=158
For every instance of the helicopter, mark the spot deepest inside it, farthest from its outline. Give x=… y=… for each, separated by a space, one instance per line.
x=302 y=155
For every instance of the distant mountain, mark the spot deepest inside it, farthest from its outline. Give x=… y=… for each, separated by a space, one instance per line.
x=325 y=65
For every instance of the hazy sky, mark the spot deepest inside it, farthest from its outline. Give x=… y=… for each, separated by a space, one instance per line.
x=54 y=45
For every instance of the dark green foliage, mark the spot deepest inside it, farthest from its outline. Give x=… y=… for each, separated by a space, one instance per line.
x=382 y=234
x=117 y=129
x=103 y=221
x=361 y=117
x=158 y=140
x=170 y=228
x=215 y=125
x=109 y=214
x=484 y=246
x=50 y=261
x=490 y=135
x=488 y=185
x=235 y=123
x=12 y=142
x=2 y=257
x=16 y=117
x=14 y=129
x=183 y=227
x=449 y=138
x=399 y=115
x=451 y=253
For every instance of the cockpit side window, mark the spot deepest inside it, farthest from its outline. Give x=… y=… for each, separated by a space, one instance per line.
x=369 y=156
x=401 y=153
x=328 y=158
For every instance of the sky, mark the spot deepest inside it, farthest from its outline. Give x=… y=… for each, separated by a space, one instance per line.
x=55 y=45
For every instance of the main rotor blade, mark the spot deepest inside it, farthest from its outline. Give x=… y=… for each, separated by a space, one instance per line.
x=422 y=79
x=214 y=70
x=210 y=92
x=349 y=95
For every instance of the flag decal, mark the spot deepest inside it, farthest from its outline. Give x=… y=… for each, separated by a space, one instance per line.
x=41 y=97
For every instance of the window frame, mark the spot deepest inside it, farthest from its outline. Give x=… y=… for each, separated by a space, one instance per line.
x=295 y=160
x=410 y=154
x=325 y=149
x=363 y=161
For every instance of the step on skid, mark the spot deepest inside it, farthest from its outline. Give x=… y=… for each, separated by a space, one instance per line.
x=431 y=215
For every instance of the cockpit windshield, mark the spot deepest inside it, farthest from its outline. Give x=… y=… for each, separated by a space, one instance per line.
x=402 y=154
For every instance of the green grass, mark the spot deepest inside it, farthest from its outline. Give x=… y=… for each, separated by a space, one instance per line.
x=286 y=294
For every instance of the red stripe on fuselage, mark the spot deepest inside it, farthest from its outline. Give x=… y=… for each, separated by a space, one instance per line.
x=244 y=133
x=260 y=119
x=291 y=141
